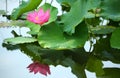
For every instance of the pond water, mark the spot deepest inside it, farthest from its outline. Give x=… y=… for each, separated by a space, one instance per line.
x=13 y=63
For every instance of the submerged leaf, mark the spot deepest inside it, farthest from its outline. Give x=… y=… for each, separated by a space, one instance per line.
x=52 y=36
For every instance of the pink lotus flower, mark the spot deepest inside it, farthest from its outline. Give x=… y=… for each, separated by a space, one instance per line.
x=39 y=17
x=38 y=67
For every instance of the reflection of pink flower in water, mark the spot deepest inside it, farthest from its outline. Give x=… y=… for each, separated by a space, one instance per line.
x=39 y=17
x=38 y=67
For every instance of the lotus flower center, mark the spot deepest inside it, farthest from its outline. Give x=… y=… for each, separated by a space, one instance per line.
x=36 y=18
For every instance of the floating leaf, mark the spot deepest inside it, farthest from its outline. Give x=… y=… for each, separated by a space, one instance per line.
x=53 y=12
x=90 y=15
x=102 y=29
x=52 y=36
x=71 y=19
x=34 y=28
x=70 y=2
x=115 y=39
x=77 y=13
x=110 y=9
x=2 y=12
x=25 y=7
x=93 y=4
x=19 y=23
x=66 y=4
x=19 y=40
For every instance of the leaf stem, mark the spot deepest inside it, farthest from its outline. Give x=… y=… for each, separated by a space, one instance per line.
x=6 y=9
x=51 y=1
x=6 y=6
x=89 y=28
x=45 y=1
